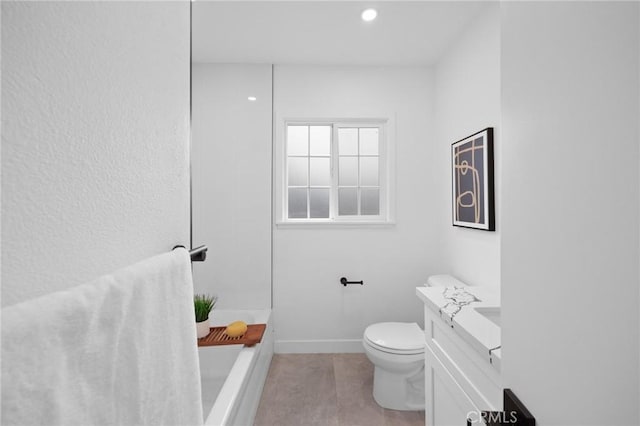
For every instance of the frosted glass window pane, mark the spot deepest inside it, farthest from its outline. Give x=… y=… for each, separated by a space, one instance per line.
x=348 y=171
x=348 y=141
x=369 y=141
x=369 y=171
x=370 y=201
x=320 y=140
x=347 y=201
x=297 y=140
x=297 y=203
x=320 y=172
x=298 y=171
x=319 y=202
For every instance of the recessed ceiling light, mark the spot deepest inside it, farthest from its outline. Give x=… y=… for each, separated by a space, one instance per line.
x=252 y=98
x=369 y=15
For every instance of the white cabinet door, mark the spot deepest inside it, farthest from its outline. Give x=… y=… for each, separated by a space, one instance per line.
x=446 y=403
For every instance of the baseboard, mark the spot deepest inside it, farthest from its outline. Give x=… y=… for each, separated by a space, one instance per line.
x=318 y=346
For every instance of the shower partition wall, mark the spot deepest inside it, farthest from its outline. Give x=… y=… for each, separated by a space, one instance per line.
x=231 y=182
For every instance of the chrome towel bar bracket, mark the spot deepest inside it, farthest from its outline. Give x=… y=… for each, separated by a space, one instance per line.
x=198 y=254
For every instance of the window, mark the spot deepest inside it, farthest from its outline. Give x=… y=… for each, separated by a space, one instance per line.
x=335 y=172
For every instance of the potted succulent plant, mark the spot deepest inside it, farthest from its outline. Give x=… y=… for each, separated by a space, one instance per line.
x=203 y=304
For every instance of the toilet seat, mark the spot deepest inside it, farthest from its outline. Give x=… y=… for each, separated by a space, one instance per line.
x=401 y=338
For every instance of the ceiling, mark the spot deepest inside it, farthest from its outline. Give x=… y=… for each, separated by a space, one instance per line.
x=327 y=32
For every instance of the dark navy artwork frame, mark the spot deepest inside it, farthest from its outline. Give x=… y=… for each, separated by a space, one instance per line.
x=472 y=188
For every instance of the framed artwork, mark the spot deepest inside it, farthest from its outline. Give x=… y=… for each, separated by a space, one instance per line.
x=472 y=181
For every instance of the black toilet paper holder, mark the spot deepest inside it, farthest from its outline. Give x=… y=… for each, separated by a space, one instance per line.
x=344 y=282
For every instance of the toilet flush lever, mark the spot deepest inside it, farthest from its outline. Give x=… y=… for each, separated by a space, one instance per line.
x=344 y=282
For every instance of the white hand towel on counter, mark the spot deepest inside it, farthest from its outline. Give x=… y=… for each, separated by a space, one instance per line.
x=121 y=350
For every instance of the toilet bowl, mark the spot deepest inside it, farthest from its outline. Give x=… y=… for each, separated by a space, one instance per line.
x=396 y=350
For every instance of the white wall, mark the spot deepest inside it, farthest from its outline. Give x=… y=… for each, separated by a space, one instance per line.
x=570 y=215
x=231 y=166
x=95 y=137
x=312 y=311
x=467 y=100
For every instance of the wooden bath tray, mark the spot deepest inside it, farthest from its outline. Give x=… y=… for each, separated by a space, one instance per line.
x=218 y=337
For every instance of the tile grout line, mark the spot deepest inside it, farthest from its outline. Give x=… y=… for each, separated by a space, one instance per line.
x=335 y=386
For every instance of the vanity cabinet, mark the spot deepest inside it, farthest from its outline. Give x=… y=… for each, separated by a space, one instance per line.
x=460 y=382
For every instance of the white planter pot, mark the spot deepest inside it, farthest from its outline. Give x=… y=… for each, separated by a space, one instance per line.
x=202 y=328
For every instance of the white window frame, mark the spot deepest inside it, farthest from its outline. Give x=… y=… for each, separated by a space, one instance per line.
x=385 y=173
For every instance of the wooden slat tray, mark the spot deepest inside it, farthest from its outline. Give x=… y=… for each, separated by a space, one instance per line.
x=218 y=337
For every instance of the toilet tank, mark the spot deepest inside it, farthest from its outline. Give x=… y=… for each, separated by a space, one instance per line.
x=443 y=281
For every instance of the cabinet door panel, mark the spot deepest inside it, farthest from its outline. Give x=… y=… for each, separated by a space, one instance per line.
x=447 y=404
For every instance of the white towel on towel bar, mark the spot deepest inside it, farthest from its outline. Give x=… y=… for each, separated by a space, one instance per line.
x=121 y=350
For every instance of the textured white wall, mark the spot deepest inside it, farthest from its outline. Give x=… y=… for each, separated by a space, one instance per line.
x=467 y=89
x=312 y=311
x=570 y=218
x=95 y=139
x=231 y=158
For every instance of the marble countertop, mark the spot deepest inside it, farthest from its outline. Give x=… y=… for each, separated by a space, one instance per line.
x=467 y=310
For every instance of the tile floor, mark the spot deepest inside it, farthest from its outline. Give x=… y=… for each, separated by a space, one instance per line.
x=325 y=389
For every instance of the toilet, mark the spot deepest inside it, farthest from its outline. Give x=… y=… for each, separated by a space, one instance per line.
x=396 y=350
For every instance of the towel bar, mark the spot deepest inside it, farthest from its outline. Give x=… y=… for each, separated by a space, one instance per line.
x=198 y=254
